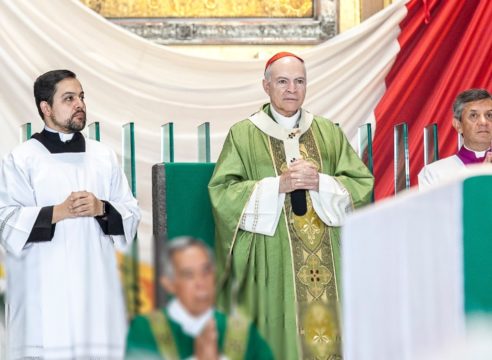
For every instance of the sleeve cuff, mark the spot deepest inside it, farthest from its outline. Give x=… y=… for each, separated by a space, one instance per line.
x=264 y=207
x=43 y=229
x=111 y=221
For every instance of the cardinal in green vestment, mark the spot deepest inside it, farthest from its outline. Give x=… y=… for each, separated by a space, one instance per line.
x=189 y=327
x=282 y=187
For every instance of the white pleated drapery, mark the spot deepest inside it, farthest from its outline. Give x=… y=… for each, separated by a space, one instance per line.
x=127 y=78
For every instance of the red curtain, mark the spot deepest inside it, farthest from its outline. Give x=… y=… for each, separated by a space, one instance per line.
x=438 y=59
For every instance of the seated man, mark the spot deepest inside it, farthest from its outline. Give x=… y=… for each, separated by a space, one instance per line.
x=472 y=118
x=189 y=326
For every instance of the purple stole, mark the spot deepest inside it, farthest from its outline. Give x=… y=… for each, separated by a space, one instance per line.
x=468 y=157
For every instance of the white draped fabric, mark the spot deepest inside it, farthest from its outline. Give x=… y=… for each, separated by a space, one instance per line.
x=402 y=276
x=403 y=282
x=126 y=78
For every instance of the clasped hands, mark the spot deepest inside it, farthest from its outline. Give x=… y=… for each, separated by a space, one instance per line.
x=488 y=157
x=205 y=346
x=301 y=175
x=77 y=204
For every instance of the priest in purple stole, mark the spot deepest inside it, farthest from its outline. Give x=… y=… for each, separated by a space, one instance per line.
x=472 y=118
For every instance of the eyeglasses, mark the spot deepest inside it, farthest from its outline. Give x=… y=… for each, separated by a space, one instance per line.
x=284 y=83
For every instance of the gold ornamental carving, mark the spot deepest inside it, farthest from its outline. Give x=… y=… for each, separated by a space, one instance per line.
x=202 y=8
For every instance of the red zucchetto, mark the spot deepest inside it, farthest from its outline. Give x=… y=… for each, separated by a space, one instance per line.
x=279 y=56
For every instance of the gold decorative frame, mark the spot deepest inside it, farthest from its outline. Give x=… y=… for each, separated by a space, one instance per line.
x=321 y=26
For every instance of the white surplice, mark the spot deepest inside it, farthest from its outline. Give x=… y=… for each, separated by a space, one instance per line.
x=440 y=171
x=445 y=170
x=64 y=298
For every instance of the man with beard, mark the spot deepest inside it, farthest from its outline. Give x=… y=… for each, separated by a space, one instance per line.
x=64 y=205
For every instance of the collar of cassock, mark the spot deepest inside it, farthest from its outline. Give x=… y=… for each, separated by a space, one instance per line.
x=470 y=156
x=57 y=142
x=191 y=325
x=265 y=123
x=288 y=122
x=290 y=137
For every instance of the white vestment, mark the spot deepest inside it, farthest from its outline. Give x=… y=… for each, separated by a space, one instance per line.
x=64 y=299
x=441 y=171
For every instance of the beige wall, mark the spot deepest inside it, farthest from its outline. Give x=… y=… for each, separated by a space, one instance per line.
x=353 y=12
x=370 y=7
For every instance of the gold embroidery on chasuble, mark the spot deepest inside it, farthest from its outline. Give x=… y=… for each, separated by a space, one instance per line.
x=322 y=333
x=236 y=338
x=163 y=335
x=312 y=258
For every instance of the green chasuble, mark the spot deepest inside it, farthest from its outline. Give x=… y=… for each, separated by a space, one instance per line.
x=288 y=283
x=156 y=336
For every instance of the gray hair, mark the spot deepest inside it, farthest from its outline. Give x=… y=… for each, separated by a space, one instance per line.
x=268 y=73
x=466 y=97
x=178 y=244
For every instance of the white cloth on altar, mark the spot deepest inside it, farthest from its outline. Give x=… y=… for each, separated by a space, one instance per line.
x=64 y=298
x=402 y=274
x=402 y=265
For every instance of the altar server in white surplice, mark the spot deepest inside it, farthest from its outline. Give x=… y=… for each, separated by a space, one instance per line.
x=65 y=205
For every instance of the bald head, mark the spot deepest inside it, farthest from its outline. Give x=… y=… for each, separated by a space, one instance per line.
x=285 y=84
x=284 y=59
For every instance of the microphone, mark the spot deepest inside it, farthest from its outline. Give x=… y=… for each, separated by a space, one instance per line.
x=298 y=200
